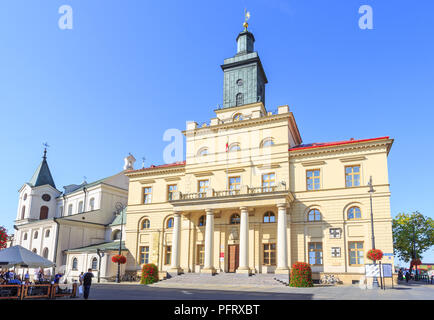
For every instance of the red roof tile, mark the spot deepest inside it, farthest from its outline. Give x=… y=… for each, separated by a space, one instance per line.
x=329 y=144
x=175 y=164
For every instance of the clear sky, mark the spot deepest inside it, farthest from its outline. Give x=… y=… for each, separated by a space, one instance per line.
x=129 y=70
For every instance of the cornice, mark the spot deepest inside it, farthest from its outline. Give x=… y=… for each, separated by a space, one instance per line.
x=343 y=147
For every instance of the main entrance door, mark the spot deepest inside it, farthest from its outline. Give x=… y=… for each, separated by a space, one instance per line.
x=233 y=257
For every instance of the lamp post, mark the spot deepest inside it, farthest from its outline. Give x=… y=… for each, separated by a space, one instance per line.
x=100 y=254
x=119 y=210
x=371 y=192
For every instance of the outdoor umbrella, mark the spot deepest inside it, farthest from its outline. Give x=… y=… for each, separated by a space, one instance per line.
x=17 y=256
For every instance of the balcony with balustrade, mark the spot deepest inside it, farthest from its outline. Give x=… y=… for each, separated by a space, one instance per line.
x=244 y=196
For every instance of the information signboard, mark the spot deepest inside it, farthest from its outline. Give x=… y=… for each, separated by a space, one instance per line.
x=387 y=270
x=372 y=270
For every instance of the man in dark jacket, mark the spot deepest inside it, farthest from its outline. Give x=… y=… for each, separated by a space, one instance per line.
x=87 y=282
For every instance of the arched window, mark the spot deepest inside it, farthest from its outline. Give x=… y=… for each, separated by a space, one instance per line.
x=92 y=204
x=74 y=264
x=116 y=235
x=25 y=236
x=202 y=152
x=47 y=233
x=235 y=219
x=61 y=211
x=238 y=117
x=267 y=142
x=269 y=217
x=35 y=235
x=80 y=207
x=239 y=99
x=23 y=212
x=314 y=215
x=202 y=221
x=45 y=253
x=69 y=209
x=170 y=223
x=146 y=224
x=94 y=264
x=43 y=214
x=354 y=213
x=25 y=197
x=234 y=147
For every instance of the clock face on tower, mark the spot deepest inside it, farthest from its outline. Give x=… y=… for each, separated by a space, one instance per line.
x=46 y=197
x=240 y=82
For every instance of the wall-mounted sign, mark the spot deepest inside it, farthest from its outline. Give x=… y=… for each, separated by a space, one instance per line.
x=372 y=270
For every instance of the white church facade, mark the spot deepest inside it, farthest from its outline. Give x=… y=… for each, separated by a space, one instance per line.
x=50 y=222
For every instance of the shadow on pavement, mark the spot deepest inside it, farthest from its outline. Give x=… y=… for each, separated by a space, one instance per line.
x=126 y=292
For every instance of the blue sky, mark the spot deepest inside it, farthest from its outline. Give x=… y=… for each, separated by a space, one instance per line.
x=129 y=70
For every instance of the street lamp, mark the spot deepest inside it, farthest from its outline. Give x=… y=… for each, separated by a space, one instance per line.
x=100 y=254
x=119 y=209
x=371 y=192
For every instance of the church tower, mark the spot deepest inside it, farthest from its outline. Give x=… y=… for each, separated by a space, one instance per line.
x=244 y=77
x=37 y=199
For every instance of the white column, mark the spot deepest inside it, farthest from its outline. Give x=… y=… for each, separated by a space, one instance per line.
x=209 y=245
x=175 y=242
x=244 y=242
x=282 y=240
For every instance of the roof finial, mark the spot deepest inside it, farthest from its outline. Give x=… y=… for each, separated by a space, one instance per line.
x=246 y=17
x=45 y=144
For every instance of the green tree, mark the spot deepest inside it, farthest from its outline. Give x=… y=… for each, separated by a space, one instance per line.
x=413 y=234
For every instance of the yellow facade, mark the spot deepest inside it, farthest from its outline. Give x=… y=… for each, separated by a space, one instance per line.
x=250 y=163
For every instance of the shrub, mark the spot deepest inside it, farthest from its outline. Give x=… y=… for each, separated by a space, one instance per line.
x=149 y=274
x=301 y=275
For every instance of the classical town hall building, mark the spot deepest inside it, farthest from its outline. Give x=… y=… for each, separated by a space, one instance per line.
x=251 y=198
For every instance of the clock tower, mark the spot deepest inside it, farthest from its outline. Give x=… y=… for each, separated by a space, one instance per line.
x=244 y=77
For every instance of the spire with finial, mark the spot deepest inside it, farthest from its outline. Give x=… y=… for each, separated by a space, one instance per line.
x=45 y=144
x=246 y=17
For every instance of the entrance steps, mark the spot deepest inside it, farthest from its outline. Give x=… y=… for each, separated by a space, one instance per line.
x=228 y=279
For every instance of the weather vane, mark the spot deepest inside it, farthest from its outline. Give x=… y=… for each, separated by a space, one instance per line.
x=246 y=17
x=143 y=162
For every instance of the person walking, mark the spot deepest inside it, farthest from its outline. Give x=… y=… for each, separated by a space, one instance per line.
x=407 y=276
x=87 y=282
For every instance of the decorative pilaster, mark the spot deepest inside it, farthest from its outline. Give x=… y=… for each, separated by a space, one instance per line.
x=209 y=243
x=282 y=240
x=175 y=243
x=244 y=242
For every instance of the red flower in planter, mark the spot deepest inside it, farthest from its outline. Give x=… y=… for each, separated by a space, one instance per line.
x=375 y=254
x=119 y=259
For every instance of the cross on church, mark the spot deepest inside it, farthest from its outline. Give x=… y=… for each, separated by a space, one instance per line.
x=45 y=144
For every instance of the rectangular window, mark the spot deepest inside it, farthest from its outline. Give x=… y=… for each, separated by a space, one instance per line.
x=269 y=254
x=200 y=254
x=168 y=255
x=268 y=182
x=170 y=190
x=336 y=252
x=234 y=185
x=202 y=186
x=144 y=255
x=352 y=176
x=335 y=233
x=147 y=195
x=313 y=179
x=356 y=253
x=315 y=253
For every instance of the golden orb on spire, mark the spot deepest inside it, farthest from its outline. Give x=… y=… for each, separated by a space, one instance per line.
x=245 y=24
